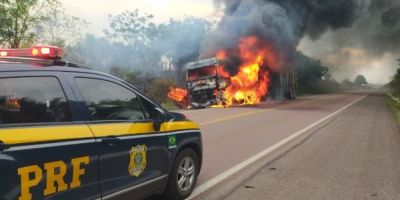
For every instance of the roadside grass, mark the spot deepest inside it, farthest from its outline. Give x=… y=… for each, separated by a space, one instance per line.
x=320 y=87
x=392 y=104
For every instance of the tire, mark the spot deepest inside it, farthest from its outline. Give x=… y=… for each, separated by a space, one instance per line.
x=175 y=190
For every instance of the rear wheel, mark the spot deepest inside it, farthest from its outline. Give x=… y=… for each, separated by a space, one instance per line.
x=183 y=176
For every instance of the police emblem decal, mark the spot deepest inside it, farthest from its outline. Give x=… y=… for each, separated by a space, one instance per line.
x=138 y=160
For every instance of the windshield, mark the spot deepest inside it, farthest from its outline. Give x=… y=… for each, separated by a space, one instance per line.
x=208 y=71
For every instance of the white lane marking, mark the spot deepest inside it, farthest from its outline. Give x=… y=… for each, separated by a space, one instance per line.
x=214 y=181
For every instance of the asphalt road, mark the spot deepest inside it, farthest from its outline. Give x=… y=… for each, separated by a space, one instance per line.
x=355 y=156
x=233 y=135
x=350 y=148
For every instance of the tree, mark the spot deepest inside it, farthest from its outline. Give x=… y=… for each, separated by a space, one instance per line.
x=180 y=40
x=177 y=40
x=310 y=70
x=159 y=89
x=395 y=83
x=313 y=77
x=57 y=27
x=17 y=19
x=132 y=77
x=136 y=31
x=360 y=80
x=131 y=27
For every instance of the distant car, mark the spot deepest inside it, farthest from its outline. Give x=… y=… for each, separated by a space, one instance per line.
x=68 y=132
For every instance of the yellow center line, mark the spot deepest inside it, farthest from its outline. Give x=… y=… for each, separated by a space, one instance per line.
x=227 y=118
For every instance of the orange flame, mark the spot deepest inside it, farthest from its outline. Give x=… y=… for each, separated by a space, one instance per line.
x=13 y=103
x=251 y=82
x=178 y=94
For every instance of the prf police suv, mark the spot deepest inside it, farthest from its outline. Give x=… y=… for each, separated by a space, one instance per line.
x=73 y=133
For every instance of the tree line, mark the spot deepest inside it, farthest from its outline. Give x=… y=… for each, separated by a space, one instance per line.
x=395 y=83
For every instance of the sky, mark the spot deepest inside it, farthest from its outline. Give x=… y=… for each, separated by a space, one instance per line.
x=97 y=11
x=348 y=62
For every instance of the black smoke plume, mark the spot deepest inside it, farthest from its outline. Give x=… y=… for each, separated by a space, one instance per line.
x=370 y=25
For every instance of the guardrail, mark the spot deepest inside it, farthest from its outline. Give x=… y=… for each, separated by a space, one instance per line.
x=394 y=98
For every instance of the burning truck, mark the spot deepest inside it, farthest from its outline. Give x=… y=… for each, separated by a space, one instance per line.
x=205 y=83
x=256 y=75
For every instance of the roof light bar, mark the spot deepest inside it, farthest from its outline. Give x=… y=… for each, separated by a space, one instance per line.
x=37 y=51
x=3 y=53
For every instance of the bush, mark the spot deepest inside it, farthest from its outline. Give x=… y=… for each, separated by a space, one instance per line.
x=320 y=87
x=155 y=87
x=395 y=84
x=159 y=88
x=394 y=107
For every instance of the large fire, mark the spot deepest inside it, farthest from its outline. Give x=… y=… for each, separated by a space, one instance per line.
x=178 y=95
x=250 y=84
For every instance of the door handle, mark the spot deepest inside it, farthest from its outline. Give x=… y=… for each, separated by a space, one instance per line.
x=110 y=141
x=3 y=146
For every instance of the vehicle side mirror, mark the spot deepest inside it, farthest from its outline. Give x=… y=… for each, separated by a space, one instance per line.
x=159 y=119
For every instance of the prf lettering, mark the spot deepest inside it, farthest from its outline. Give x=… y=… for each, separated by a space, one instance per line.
x=55 y=172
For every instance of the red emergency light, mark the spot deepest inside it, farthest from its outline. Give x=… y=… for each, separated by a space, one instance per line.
x=37 y=51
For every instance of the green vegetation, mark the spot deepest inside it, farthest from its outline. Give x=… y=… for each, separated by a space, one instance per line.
x=151 y=46
x=320 y=87
x=16 y=20
x=315 y=78
x=25 y=22
x=394 y=107
x=155 y=87
x=395 y=84
x=394 y=88
x=360 y=80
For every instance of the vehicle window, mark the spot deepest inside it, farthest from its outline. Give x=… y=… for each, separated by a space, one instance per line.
x=32 y=100
x=109 y=101
x=208 y=71
x=150 y=110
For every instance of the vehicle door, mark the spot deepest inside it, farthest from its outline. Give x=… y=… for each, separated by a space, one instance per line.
x=46 y=152
x=132 y=153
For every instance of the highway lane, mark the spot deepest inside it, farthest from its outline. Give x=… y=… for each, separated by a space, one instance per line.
x=355 y=156
x=232 y=135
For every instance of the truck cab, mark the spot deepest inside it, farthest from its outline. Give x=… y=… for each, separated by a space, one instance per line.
x=205 y=83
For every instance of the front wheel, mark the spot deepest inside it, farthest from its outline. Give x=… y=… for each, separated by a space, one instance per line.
x=183 y=176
